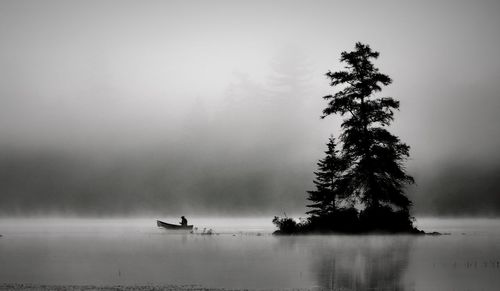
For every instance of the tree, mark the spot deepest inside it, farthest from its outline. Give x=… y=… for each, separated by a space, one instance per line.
x=368 y=169
x=326 y=197
x=374 y=157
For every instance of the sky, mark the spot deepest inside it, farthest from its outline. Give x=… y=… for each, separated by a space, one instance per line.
x=168 y=107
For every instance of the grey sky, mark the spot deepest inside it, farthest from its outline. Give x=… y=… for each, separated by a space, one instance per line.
x=138 y=86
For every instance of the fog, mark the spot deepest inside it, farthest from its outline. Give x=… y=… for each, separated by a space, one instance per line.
x=128 y=107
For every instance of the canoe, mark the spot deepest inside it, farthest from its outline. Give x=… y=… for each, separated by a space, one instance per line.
x=173 y=226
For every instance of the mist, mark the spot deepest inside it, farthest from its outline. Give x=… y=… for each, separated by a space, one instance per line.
x=126 y=107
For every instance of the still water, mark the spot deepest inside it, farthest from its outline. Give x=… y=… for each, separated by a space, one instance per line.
x=244 y=255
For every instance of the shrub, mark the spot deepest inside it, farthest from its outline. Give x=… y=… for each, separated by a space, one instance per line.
x=287 y=225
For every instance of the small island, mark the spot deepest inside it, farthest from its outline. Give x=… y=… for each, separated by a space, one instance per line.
x=360 y=181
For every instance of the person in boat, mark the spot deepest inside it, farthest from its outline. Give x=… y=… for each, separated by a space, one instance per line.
x=184 y=221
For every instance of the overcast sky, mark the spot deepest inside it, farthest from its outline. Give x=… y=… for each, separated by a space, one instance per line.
x=212 y=106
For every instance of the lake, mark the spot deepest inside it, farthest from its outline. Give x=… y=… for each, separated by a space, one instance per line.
x=244 y=255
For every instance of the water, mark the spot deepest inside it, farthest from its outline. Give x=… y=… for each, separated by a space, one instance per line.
x=245 y=255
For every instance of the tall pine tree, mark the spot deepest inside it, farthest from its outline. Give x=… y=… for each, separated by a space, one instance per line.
x=368 y=169
x=375 y=174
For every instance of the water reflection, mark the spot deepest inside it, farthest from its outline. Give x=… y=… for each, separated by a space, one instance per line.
x=132 y=252
x=356 y=262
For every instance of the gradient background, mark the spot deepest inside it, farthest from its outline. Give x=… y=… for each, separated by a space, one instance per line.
x=177 y=107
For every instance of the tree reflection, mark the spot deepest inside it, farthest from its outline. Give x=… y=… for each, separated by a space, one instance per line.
x=362 y=263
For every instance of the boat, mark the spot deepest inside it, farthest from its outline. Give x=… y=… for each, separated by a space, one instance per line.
x=173 y=226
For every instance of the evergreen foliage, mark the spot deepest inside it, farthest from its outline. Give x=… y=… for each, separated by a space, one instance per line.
x=368 y=169
x=374 y=156
x=326 y=197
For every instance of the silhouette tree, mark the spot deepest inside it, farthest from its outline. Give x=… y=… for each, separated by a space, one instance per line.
x=332 y=206
x=374 y=157
x=325 y=198
x=368 y=170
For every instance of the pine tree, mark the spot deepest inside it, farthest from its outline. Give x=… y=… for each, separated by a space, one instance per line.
x=374 y=157
x=368 y=169
x=326 y=197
